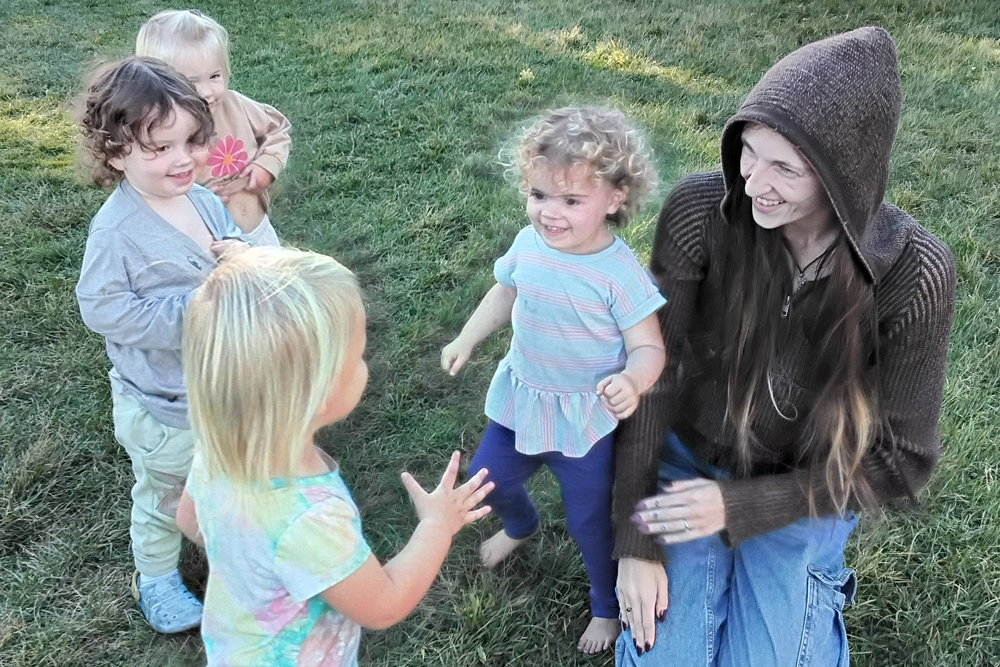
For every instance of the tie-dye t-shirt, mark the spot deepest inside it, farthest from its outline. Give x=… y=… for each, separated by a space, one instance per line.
x=266 y=571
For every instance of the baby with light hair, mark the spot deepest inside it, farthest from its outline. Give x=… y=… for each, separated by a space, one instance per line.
x=250 y=146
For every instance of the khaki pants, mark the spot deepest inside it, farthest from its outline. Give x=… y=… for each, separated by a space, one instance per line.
x=161 y=458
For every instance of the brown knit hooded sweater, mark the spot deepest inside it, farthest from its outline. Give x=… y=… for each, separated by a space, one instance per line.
x=837 y=101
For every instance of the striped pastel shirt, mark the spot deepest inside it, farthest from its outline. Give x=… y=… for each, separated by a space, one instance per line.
x=568 y=320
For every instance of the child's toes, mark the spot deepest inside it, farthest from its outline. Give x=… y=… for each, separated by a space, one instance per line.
x=599 y=636
x=496 y=549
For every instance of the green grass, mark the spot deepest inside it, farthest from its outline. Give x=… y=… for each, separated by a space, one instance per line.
x=399 y=109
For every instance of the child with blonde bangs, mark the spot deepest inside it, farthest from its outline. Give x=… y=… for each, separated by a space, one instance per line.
x=586 y=342
x=249 y=149
x=274 y=347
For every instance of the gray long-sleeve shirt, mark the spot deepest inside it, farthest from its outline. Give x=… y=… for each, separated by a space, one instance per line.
x=138 y=274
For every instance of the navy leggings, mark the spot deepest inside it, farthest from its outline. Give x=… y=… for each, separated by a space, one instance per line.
x=585 y=484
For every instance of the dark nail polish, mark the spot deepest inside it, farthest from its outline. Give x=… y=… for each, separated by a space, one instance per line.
x=638 y=651
x=624 y=627
x=648 y=646
x=662 y=615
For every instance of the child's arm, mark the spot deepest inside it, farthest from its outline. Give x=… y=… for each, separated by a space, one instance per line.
x=493 y=312
x=273 y=132
x=378 y=596
x=187 y=520
x=645 y=360
x=110 y=308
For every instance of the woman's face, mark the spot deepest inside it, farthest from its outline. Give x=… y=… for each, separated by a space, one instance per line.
x=785 y=191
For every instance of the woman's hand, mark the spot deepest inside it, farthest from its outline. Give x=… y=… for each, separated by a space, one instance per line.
x=642 y=598
x=686 y=510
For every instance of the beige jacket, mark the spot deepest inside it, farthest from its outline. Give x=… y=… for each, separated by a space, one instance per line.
x=266 y=139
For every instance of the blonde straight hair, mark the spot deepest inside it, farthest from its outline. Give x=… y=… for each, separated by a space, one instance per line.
x=265 y=338
x=175 y=30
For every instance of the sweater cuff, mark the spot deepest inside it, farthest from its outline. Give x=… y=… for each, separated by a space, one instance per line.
x=761 y=504
x=630 y=543
x=271 y=163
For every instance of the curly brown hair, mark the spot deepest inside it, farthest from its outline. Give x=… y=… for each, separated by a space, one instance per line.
x=124 y=102
x=603 y=138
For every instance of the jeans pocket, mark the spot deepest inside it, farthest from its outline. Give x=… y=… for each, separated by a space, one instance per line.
x=824 y=636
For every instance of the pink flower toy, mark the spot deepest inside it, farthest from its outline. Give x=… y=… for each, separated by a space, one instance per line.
x=227 y=157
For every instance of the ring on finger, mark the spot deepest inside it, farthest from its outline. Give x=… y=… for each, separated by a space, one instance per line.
x=687 y=526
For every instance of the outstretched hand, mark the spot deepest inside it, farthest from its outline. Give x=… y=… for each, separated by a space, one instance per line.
x=450 y=506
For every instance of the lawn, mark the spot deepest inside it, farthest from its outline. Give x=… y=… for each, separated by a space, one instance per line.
x=399 y=108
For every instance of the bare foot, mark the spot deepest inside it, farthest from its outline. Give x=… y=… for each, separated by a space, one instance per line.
x=496 y=549
x=600 y=635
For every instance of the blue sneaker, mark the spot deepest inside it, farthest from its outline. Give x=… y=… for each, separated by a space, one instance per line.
x=167 y=604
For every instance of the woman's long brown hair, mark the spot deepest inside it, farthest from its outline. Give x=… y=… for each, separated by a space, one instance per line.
x=843 y=419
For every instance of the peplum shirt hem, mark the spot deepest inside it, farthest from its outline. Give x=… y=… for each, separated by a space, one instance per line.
x=568 y=318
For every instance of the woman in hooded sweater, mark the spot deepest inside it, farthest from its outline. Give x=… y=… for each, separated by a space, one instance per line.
x=806 y=329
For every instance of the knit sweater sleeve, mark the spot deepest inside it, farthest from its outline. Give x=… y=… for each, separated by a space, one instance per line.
x=678 y=263
x=916 y=302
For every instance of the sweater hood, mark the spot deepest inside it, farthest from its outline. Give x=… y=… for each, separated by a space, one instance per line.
x=837 y=100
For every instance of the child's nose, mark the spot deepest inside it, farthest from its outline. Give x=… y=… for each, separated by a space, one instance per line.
x=184 y=156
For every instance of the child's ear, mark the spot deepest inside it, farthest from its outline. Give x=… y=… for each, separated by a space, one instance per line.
x=617 y=199
x=118 y=163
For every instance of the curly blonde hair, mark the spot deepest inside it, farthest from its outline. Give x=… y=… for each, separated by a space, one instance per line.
x=602 y=138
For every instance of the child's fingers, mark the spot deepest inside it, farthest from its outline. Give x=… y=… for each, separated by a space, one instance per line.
x=624 y=413
x=476 y=480
x=613 y=390
x=451 y=472
x=452 y=361
x=603 y=384
x=479 y=495
x=412 y=486
x=477 y=514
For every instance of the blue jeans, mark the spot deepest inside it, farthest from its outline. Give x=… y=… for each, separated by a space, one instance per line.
x=775 y=600
x=585 y=484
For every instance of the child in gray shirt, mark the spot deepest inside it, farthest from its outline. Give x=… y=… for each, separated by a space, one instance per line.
x=154 y=240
